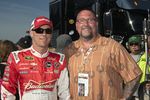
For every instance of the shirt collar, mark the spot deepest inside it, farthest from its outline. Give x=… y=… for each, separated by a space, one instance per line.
x=37 y=54
x=94 y=42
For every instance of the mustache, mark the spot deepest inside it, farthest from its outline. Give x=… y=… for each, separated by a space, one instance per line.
x=85 y=27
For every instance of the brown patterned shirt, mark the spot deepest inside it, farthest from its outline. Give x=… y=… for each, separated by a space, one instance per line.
x=108 y=65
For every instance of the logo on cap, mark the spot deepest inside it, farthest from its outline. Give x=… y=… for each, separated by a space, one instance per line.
x=39 y=21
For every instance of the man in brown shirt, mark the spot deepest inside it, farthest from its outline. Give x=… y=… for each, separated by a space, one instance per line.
x=100 y=68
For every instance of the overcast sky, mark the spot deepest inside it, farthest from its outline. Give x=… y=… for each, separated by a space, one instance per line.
x=17 y=15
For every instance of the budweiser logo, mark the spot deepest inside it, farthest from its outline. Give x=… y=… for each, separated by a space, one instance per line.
x=32 y=85
x=43 y=19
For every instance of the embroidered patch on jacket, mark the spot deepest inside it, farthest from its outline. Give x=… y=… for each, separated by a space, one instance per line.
x=28 y=58
x=48 y=64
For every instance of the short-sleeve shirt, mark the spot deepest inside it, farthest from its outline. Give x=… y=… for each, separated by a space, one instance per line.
x=108 y=65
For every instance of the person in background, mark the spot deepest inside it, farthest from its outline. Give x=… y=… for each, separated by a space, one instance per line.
x=6 y=47
x=24 y=42
x=63 y=41
x=134 y=45
x=144 y=64
x=37 y=73
x=102 y=66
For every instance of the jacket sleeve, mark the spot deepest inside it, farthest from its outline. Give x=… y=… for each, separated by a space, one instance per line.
x=63 y=82
x=9 y=83
x=63 y=85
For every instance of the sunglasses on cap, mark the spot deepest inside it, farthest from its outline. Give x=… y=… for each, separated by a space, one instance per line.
x=131 y=44
x=41 y=30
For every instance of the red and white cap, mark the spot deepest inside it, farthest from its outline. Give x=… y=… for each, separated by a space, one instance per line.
x=39 y=21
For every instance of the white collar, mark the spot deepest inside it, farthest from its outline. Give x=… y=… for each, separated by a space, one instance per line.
x=37 y=54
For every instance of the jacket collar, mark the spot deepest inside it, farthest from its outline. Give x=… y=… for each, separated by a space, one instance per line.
x=37 y=54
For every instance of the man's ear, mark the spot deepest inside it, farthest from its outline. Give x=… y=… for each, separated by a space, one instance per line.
x=31 y=33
